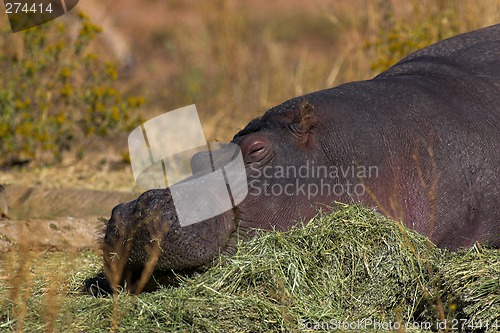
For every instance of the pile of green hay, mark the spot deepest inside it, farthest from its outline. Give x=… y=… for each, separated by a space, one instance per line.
x=350 y=270
x=472 y=280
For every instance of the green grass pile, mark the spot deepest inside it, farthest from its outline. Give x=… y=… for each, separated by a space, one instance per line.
x=350 y=270
x=472 y=279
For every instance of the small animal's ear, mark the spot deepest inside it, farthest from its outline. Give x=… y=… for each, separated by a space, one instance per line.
x=305 y=119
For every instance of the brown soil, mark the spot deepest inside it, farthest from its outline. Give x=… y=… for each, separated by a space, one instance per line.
x=43 y=218
x=54 y=234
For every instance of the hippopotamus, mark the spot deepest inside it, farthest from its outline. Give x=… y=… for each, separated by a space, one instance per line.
x=419 y=142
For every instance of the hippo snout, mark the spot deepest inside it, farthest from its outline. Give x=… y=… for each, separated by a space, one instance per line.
x=153 y=204
x=136 y=225
x=146 y=235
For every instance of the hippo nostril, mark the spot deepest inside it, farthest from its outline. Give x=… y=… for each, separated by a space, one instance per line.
x=123 y=210
x=153 y=206
x=117 y=211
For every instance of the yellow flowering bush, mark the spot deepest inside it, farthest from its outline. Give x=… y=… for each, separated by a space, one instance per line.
x=396 y=36
x=54 y=92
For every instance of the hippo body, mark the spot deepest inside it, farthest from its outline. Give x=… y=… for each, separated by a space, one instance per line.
x=419 y=142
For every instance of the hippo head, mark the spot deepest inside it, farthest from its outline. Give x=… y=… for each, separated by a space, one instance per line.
x=145 y=236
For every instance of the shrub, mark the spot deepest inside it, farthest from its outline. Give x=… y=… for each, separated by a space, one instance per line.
x=55 y=92
x=397 y=35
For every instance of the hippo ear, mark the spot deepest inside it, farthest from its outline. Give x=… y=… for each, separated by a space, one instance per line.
x=305 y=119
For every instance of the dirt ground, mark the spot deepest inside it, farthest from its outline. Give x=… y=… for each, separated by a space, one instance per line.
x=65 y=206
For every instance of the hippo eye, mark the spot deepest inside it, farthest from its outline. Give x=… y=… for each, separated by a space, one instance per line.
x=256 y=151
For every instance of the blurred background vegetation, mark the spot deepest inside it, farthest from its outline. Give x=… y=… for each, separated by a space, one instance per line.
x=54 y=92
x=67 y=82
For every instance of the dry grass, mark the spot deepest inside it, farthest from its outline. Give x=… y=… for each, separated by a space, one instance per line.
x=347 y=266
